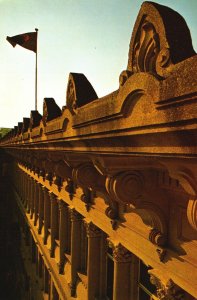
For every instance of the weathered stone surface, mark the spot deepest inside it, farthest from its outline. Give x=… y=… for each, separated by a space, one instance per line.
x=125 y=163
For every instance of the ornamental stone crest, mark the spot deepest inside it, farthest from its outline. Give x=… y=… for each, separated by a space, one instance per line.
x=156 y=44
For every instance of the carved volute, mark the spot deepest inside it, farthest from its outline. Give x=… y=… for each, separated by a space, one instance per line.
x=87 y=176
x=126 y=187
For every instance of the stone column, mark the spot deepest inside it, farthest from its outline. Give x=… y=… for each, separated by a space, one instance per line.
x=54 y=222
x=23 y=187
x=75 y=248
x=40 y=207
x=28 y=193
x=32 y=195
x=25 y=190
x=20 y=182
x=122 y=272
x=46 y=279
x=62 y=233
x=36 y=202
x=93 y=261
x=134 y=276
x=54 y=293
x=46 y=214
x=103 y=263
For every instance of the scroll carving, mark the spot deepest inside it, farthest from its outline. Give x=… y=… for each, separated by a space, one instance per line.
x=126 y=187
x=112 y=213
x=153 y=217
x=192 y=213
x=87 y=176
x=188 y=180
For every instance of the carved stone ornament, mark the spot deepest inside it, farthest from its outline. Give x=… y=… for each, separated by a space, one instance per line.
x=71 y=99
x=157 y=238
x=126 y=187
x=49 y=177
x=192 y=213
x=70 y=188
x=166 y=288
x=53 y=197
x=87 y=176
x=75 y=216
x=35 y=119
x=79 y=92
x=121 y=254
x=87 y=198
x=157 y=44
x=42 y=174
x=63 y=170
x=123 y=77
x=50 y=110
x=92 y=230
x=62 y=205
x=58 y=182
x=188 y=180
x=146 y=49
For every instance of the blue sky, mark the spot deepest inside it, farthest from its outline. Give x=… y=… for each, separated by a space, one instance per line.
x=84 y=36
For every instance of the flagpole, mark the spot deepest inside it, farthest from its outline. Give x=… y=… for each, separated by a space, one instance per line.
x=36 y=72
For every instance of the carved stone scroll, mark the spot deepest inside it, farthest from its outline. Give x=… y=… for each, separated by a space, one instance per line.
x=192 y=213
x=87 y=176
x=126 y=187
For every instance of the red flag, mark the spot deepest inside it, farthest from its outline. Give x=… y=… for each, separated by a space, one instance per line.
x=26 y=40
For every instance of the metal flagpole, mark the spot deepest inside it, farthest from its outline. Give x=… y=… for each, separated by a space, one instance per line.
x=36 y=72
